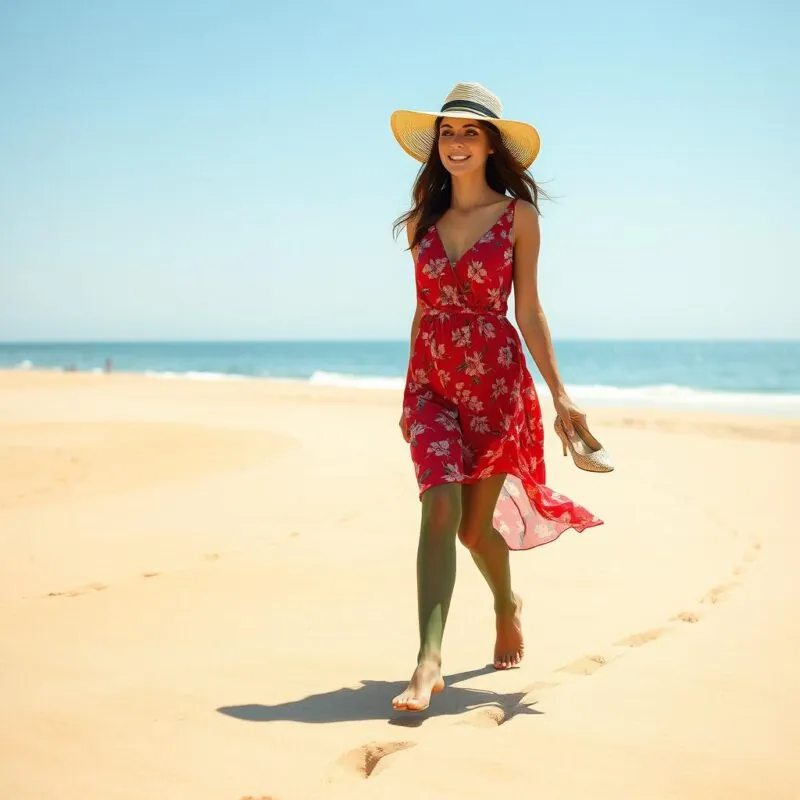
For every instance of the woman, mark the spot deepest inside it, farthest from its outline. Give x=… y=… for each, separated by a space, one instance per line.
x=470 y=409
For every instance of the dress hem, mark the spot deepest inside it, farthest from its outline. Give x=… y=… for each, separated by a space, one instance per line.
x=558 y=530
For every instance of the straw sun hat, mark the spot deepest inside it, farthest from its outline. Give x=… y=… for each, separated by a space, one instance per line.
x=416 y=134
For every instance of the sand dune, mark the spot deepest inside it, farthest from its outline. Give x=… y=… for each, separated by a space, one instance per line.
x=208 y=592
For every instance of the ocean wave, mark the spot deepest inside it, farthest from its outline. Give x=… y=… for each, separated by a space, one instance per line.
x=686 y=398
x=661 y=395
x=322 y=378
x=672 y=393
x=599 y=394
x=195 y=375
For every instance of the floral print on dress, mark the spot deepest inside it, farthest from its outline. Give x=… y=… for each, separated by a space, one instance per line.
x=469 y=399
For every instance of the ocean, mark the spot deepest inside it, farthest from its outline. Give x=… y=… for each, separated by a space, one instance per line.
x=761 y=377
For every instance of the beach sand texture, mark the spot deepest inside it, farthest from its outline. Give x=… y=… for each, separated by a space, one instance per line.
x=207 y=593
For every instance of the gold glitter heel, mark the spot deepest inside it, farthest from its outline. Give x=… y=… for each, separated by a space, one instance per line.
x=587 y=453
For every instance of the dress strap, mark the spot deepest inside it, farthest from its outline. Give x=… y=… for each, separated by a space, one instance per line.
x=509 y=215
x=512 y=206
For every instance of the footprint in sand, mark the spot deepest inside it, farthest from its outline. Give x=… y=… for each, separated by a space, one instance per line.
x=718 y=592
x=748 y=558
x=687 y=616
x=638 y=639
x=752 y=554
x=361 y=762
x=586 y=665
x=89 y=587
x=495 y=716
x=538 y=687
x=487 y=717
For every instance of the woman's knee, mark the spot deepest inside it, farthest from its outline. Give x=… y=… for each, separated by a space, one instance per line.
x=480 y=501
x=469 y=534
x=441 y=509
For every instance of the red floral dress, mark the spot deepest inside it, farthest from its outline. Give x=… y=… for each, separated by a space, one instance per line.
x=469 y=401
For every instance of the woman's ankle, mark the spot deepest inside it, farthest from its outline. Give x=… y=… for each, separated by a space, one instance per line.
x=429 y=655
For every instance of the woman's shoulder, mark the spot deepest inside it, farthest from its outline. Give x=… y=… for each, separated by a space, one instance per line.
x=526 y=219
x=525 y=212
x=524 y=207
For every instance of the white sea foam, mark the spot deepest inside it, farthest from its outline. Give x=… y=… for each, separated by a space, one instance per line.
x=197 y=376
x=665 y=395
x=686 y=397
x=321 y=378
x=656 y=396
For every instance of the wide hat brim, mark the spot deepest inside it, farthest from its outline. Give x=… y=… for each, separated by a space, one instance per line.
x=415 y=132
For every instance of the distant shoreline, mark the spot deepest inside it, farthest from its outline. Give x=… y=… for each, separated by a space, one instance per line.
x=775 y=407
x=766 y=340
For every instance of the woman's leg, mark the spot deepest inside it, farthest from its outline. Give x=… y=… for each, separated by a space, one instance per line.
x=490 y=553
x=436 y=575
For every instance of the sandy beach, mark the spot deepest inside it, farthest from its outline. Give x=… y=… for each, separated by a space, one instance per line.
x=208 y=594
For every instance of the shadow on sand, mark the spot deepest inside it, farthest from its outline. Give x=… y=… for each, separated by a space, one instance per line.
x=372 y=700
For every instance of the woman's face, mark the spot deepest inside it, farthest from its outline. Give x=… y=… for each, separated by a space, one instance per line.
x=463 y=145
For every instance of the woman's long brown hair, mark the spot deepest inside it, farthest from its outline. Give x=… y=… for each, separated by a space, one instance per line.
x=433 y=187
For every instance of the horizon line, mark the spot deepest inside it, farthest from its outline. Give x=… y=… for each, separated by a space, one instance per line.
x=389 y=340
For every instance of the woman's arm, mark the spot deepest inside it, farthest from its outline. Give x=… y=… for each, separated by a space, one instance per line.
x=528 y=310
x=415 y=328
x=415 y=322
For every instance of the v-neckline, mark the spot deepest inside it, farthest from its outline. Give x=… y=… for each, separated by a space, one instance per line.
x=476 y=242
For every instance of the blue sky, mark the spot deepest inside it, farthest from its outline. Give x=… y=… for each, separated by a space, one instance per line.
x=183 y=170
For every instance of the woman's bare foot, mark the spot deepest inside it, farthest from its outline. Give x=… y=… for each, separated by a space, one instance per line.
x=509 y=647
x=426 y=681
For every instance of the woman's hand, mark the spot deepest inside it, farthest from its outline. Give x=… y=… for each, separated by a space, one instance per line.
x=404 y=427
x=568 y=411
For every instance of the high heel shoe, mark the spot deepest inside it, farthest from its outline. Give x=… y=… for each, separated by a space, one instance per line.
x=587 y=453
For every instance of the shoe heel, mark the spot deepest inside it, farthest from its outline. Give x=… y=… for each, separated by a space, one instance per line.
x=564 y=446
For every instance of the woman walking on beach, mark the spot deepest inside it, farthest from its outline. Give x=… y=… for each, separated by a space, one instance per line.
x=470 y=410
